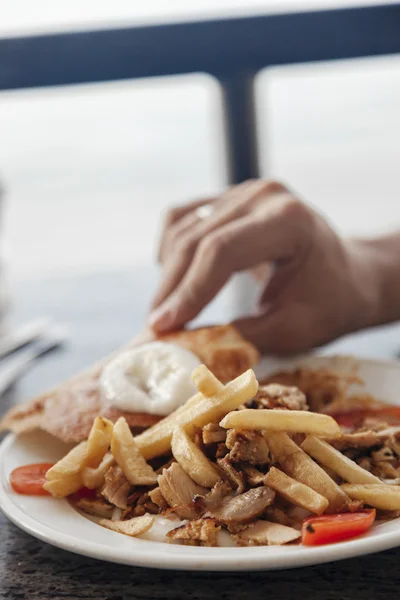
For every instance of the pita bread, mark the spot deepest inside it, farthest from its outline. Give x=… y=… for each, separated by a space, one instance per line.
x=68 y=411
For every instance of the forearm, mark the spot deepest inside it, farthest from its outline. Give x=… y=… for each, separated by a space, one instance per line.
x=381 y=257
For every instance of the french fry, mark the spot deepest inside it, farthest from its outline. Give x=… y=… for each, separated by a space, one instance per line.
x=328 y=456
x=385 y=497
x=64 y=486
x=192 y=460
x=290 y=421
x=156 y=440
x=132 y=527
x=206 y=382
x=297 y=464
x=295 y=492
x=93 y=478
x=129 y=457
x=88 y=453
x=70 y=464
x=98 y=442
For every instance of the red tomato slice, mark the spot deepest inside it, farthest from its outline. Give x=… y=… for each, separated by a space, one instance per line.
x=329 y=529
x=351 y=418
x=30 y=479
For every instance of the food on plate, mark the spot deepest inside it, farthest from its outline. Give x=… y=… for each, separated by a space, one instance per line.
x=236 y=463
x=93 y=478
x=127 y=455
x=30 y=479
x=193 y=460
x=385 y=497
x=328 y=456
x=300 y=466
x=294 y=421
x=266 y=533
x=132 y=527
x=68 y=410
x=200 y=410
x=295 y=492
x=329 y=529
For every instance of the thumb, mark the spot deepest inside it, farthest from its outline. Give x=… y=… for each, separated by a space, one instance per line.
x=272 y=332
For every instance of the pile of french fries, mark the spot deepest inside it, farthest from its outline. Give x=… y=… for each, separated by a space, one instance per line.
x=304 y=473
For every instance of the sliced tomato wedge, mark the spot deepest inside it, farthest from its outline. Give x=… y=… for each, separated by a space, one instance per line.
x=30 y=479
x=351 y=418
x=329 y=529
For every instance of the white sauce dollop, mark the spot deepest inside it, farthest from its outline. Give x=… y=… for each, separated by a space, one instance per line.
x=153 y=378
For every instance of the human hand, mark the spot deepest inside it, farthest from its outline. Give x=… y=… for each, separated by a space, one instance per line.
x=316 y=285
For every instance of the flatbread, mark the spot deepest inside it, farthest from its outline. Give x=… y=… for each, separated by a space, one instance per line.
x=68 y=411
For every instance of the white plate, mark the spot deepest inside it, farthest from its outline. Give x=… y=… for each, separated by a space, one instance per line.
x=56 y=522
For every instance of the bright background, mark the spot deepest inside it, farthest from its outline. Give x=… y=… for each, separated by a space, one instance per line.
x=89 y=170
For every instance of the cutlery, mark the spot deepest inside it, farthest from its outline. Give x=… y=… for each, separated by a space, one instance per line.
x=23 y=335
x=15 y=366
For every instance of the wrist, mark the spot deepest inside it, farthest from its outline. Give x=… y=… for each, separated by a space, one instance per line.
x=375 y=265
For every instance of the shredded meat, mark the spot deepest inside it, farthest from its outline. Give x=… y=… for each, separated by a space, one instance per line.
x=278 y=515
x=376 y=450
x=248 y=446
x=276 y=395
x=140 y=503
x=359 y=439
x=179 y=490
x=213 y=434
x=214 y=497
x=253 y=475
x=235 y=478
x=157 y=498
x=321 y=387
x=202 y=532
x=116 y=487
x=97 y=507
x=221 y=451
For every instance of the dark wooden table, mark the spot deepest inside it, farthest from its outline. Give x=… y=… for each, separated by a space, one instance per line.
x=102 y=311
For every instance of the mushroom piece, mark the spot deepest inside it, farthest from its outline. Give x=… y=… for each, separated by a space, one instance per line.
x=245 y=507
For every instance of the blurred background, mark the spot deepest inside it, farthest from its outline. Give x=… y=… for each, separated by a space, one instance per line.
x=88 y=170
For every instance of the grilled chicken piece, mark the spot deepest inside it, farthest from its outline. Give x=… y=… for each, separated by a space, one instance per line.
x=213 y=433
x=179 y=491
x=276 y=395
x=202 y=532
x=321 y=386
x=214 y=497
x=243 y=508
x=247 y=446
x=116 y=487
x=96 y=507
x=265 y=533
x=278 y=515
x=253 y=475
x=364 y=439
x=235 y=478
x=158 y=499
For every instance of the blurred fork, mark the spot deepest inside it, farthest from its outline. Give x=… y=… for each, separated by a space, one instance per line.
x=15 y=366
x=23 y=335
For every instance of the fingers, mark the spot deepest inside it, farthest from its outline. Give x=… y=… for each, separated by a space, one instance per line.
x=173 y=216
x=182 y=239
x=183 y=224
x=273 y=234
